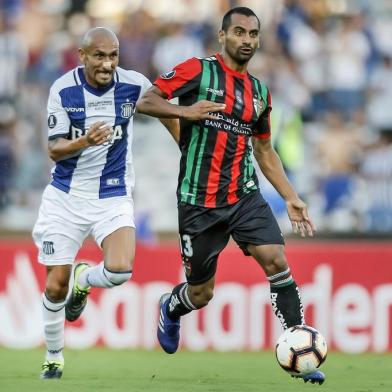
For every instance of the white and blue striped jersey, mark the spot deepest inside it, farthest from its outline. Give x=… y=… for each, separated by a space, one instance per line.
x=103 y=171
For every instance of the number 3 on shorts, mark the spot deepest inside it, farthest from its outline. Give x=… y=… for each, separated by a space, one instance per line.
x=186 y=245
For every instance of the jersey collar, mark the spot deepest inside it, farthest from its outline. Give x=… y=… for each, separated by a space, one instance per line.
x=93 y=90
x=227 y=69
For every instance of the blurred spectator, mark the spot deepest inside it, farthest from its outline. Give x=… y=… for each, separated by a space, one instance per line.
x=36 y=27
x=137 y=38
x=307 y=46
x=7 y=153
x=175 y=47
x=380 y=102
x=288 y=84
x=339 y=151
x=293 y=14
x=382 y=28
x=11 y=8
x=13 y=61
x=376 y=173
x=347 y=49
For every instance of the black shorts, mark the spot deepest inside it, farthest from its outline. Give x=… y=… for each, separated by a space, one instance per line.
x=205 y=232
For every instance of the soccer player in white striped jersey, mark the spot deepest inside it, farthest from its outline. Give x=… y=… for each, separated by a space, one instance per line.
x=90 y=126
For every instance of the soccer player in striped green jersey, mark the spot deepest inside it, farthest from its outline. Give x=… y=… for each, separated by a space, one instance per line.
x=224 y=117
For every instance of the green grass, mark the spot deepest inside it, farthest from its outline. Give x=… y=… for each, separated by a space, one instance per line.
x=109 y=370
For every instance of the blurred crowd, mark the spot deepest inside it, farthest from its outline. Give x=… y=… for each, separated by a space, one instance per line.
x=328 y=64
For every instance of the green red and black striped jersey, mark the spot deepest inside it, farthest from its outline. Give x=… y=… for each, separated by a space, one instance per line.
x=216 y=166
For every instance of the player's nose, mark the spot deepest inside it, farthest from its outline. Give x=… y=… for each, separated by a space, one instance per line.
x=107 y=64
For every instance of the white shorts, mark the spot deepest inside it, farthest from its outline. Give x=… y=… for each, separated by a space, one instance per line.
x=64 y=221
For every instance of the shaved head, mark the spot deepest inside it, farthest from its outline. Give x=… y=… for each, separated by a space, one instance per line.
x=97 y=35
x=99 y=53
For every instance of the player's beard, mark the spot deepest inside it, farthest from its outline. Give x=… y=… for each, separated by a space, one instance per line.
x=104 y=83
x=242 y=57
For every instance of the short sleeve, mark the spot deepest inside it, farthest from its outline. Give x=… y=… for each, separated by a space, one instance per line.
x=145 y=84
x=58 y=120
x=181 y=79
x=263 y=125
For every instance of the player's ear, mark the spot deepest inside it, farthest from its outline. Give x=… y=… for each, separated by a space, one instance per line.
x=82 y=55
x=221 y=35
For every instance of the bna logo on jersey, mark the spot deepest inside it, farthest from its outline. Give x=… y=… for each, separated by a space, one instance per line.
x=168 y=75
x=127 y=110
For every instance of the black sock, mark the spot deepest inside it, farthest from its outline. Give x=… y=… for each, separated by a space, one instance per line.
x=179 y=303
x=287 y=305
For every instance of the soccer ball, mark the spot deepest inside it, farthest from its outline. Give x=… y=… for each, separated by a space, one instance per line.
x=300 y=350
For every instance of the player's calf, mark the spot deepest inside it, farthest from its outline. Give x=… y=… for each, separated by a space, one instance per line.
x=286 y=299
x=200 y=296
x=102 y=277
x=86 y=277
x=53 y=322
x=180 y=303
x=116 y=278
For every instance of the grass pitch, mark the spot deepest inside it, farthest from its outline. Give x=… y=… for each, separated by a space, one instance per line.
x=102 y=370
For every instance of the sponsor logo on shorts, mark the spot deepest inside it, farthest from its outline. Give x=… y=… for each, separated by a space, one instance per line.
x=187 y=267
x=113 y=181
x=47 y=247
x=250 y=184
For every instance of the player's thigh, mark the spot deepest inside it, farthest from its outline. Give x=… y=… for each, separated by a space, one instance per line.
x=203 y=236
x=114 y=231
x=253 y=223
x=59 y=231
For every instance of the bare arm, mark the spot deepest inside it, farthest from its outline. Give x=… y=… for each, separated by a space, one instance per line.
x=61 y=148
x=155 y=104
x=271 y=166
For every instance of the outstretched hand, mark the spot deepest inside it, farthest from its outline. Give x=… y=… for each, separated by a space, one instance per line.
x=201 y=110
x=298 y=215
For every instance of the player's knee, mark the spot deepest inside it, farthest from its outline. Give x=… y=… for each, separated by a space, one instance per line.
x=201 y=297
x=270 y=257
x=116 y=278
x=277 y=263
x=56 y=290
